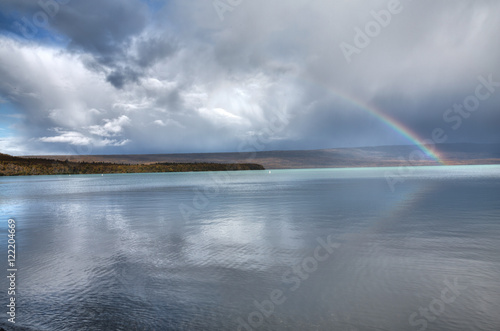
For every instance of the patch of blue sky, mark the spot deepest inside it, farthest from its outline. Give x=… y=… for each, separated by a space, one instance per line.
x=22 y=27
x=8 y=117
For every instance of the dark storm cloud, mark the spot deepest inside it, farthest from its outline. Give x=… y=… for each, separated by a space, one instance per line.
x=106 y=29
x=103 y=29
x=120 y=76
x=153 y=50
x=99 y=27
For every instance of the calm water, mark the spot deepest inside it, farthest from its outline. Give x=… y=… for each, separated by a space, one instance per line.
x=329 y=249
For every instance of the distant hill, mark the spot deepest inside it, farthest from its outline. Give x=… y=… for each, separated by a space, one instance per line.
x=24 y=166
x=452 y=154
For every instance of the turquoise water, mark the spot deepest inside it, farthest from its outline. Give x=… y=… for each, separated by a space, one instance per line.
x=314 y=249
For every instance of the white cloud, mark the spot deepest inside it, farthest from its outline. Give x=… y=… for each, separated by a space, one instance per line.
x=160 y=123
x=12 y=146
x=69 y=137
x=110 y=142
x=222 y=116
x=79 y=139
x=169 y=122
x=111 y=128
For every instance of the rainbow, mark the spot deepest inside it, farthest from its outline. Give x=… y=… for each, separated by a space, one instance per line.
x=392 y=123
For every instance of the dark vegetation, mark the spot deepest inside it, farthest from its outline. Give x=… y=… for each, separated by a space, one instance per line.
x=16 y=166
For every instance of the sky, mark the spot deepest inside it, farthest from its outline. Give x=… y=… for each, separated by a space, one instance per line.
x=177 y=76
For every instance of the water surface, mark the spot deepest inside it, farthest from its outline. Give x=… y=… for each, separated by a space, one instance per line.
x=205 y=251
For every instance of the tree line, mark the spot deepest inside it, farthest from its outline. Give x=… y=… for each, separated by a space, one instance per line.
x=17 y=166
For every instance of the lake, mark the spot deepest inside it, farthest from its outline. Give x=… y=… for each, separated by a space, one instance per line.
x=311 y=249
